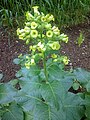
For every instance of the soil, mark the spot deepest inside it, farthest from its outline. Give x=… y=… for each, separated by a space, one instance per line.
x=11 y=47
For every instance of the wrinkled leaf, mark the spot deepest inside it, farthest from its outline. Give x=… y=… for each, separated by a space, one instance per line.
x=55 y=72
x=82 y=75
x=14 y=112
x=7 y=93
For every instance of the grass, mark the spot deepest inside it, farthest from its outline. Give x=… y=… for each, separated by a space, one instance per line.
x=66 y=12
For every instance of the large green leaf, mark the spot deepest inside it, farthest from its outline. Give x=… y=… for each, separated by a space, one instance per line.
x=14 y=112
x=29 y=94
x=49 y=101
x=51 y=91
x=7 y=93
x=55 y=72
x=70 y=109
x=33 y=71
x=82 y=75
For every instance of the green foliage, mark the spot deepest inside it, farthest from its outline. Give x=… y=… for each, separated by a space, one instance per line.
x=80 y=39
x=43 y=91
x=66 y=12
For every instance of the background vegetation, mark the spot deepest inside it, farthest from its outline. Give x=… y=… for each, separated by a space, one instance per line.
x=66 y=12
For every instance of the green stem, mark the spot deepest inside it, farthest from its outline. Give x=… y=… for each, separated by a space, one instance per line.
x=45 y=68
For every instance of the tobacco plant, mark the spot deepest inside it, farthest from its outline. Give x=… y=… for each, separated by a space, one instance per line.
x=43 y=88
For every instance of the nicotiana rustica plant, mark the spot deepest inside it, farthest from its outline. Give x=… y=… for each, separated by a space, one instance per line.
x=42 y=88
x=45 y=38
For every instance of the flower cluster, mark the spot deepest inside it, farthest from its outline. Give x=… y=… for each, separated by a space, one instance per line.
x=44 y=36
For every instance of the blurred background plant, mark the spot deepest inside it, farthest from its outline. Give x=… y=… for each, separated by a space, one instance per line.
x=66 y=12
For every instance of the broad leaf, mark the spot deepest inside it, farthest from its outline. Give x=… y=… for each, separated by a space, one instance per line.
x=72 y=107
x=14 y=112
x=29 y=94
x=55 y=72
x=82 y=75
x=50 y=92
x=33 y=71
x=7 y=93
x=68 y=110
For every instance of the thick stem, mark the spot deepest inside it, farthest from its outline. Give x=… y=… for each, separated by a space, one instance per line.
x=45 y=68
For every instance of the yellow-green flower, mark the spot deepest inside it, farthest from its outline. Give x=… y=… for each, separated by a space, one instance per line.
x=34 y=33
x=33 y=48
x=56 y=30
x=18 y=31
x=65 y=39
x=55 y=46
x=28 y=24
x=27 y=41
x=54 y=56
x=41 y=47
x=65 y=60
x=27 y=57
x=27 y=30
x=32 y=62
x=27 y=65
x=36 y=10
x=29 y=16
x=43 y=19
x=49 y=17
x=21 y=37
x=49 y=33
x=48 y=26
x=34 y=25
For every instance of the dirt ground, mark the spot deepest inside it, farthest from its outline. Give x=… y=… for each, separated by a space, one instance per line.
x=11 y=47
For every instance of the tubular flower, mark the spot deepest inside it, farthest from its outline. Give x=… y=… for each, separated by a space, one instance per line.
x=18 y=31
x=27 y=65
x=65 y=40
x=48 y=26
x=51 y=18
x=49 y=33
x=41 y=47
x=65 y=60
x=29 y=16
x=55 y=46
x=34 y=33
x=33 y=48
x=56 y=30
x=33 y=25
x=36 y=10
x=43 y=19
x=54 y=56
x=32 y=62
